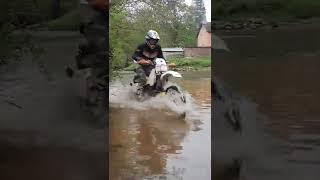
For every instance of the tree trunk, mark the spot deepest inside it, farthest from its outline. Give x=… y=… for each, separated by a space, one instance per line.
x=56 y=6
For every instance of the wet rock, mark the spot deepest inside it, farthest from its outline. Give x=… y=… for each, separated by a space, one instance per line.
x=253 y=26
x=228 y=26
x=256 y=20
x=250 y=24
x=274 y=24
x=238 y=26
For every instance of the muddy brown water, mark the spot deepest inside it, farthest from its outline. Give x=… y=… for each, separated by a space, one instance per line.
x=155 y=143
x=39 y=137
x=277 y=71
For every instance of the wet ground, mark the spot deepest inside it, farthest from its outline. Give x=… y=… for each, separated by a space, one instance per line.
x=44 y=131
x=149 y=140
x=273 y=79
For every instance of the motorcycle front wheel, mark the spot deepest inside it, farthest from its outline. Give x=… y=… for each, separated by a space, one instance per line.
x=175 y=95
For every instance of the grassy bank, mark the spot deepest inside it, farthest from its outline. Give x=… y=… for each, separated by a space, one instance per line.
x=267 y=9
x=199 y=62
x=70 y=21
x=184 y=63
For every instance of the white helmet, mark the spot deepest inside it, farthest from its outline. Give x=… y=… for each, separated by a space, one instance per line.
x=152 y=38
x=151 y=34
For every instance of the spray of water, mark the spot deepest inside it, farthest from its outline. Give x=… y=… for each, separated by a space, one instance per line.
x=122 y=96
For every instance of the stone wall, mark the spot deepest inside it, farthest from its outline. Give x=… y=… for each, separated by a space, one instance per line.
x=172 y=53
x=197 y=52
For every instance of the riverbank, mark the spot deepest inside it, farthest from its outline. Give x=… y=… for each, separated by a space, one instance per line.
x=272 y=9
x=262 y=23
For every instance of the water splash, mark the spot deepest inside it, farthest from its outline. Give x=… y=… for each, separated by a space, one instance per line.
x=122 y=96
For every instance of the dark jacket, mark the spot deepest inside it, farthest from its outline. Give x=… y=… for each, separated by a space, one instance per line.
x=143 y=51
x=93 y=50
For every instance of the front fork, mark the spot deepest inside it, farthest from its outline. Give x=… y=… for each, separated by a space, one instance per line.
x=144 y=89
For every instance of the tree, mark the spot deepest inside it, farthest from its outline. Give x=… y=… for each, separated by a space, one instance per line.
x=131 y=19
x=56 y=6
x=200 y=11
x=14 y=40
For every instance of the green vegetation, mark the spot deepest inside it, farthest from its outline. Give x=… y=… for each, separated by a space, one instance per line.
x=16 y=16
x=130 y=20
x=191 y=62
x=269 y=9
x=130 y=67
x=69 y=21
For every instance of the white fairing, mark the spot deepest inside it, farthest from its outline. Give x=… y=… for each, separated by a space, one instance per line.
x=160 y=61
x=161 y=65
x=161 y=68
x=152 y=78
x=170 y=73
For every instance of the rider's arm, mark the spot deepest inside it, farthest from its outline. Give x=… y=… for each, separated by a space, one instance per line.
x=160 y=55
x=137 y=55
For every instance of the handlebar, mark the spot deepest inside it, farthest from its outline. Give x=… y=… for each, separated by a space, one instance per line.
x=145 y=62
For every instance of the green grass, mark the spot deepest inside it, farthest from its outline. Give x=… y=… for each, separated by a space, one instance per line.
x=69 y=21
x=191 y=62
x=131 y=67
x=45 y=6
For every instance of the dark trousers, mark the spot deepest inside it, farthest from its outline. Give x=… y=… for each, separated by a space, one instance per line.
x=142 y=73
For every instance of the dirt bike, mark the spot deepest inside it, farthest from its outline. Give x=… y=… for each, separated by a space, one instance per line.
x=158 y=83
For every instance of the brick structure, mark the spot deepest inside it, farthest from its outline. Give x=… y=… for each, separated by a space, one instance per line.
x=204 y=35
x=203 y=48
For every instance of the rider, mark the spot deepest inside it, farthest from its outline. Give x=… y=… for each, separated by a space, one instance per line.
x=145 y=54
x=93 y=54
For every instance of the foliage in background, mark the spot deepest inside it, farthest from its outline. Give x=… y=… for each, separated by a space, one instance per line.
x=69 y=21
x=13 y=43
x=234 y=9
x=16 y=16
x=131 y=19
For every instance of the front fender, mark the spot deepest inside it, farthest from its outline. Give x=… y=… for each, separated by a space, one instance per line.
x=170 y=73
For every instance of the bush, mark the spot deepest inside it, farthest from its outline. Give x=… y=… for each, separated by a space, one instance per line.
x=70 y=21
x=304 y=9
x=226 y=9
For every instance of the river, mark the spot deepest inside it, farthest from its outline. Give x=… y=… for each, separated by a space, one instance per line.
x=275 y=73
x=149 y=140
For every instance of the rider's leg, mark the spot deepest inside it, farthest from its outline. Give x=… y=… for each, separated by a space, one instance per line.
x=148 y=70
x=140 y=76
x=159 y=84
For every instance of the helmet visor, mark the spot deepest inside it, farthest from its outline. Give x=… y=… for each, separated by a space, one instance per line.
x=153 y=41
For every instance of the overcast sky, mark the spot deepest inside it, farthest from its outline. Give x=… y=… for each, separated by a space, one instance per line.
x=207 y=4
